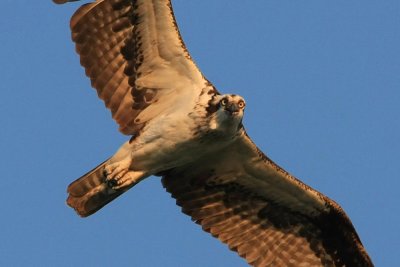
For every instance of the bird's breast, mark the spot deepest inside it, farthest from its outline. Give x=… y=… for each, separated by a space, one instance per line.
x=175 y=141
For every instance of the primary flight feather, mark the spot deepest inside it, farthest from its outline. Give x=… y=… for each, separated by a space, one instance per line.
x=184 y=130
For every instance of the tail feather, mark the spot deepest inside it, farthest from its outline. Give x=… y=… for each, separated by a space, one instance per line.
x=90 y=193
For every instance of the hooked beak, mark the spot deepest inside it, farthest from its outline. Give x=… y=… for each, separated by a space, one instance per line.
x=232 y=108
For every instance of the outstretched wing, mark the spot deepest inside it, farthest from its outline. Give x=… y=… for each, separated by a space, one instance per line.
x=135 y=57
x=259 y=210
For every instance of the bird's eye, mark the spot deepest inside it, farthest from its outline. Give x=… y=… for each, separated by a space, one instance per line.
x=224 y=102
x=241 y=104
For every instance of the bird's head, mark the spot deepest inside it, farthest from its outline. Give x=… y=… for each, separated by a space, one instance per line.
x=229 y=110
x=231 y=105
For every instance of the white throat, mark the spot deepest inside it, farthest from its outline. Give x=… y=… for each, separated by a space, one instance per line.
x=224 y=122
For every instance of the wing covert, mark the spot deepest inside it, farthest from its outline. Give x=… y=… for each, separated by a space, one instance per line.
x=135 y=57
x=259 y=210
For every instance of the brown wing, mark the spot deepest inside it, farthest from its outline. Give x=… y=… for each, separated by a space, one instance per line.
x=269 y=217
x=136 y=60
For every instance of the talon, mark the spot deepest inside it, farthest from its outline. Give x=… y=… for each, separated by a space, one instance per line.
x=118 y=176
x=112 y=183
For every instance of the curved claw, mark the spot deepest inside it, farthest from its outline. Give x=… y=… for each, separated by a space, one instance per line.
x=112 y=183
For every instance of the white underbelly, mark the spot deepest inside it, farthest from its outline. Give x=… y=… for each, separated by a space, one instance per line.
x=165 y=144
x=170 y=141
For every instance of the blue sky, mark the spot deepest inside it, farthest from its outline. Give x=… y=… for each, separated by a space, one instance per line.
x=322 y=84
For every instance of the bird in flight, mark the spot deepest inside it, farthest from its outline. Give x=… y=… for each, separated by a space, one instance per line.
x=182 y=129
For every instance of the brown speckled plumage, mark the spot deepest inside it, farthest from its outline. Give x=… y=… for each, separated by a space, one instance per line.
x=236 y=193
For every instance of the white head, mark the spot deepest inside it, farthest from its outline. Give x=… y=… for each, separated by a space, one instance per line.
x=229 y=110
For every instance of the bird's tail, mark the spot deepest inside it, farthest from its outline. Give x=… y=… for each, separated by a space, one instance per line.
x=90 y=193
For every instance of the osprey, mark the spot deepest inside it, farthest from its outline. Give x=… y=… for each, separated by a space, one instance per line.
x=184 y=130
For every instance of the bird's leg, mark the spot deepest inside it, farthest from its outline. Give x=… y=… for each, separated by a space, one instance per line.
x=118 y=174
x=114 y=171
x=118 y=170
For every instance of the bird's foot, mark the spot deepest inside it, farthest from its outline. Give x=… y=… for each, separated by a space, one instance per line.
x=129 y=179
x=118 y=175
x=116 y=170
